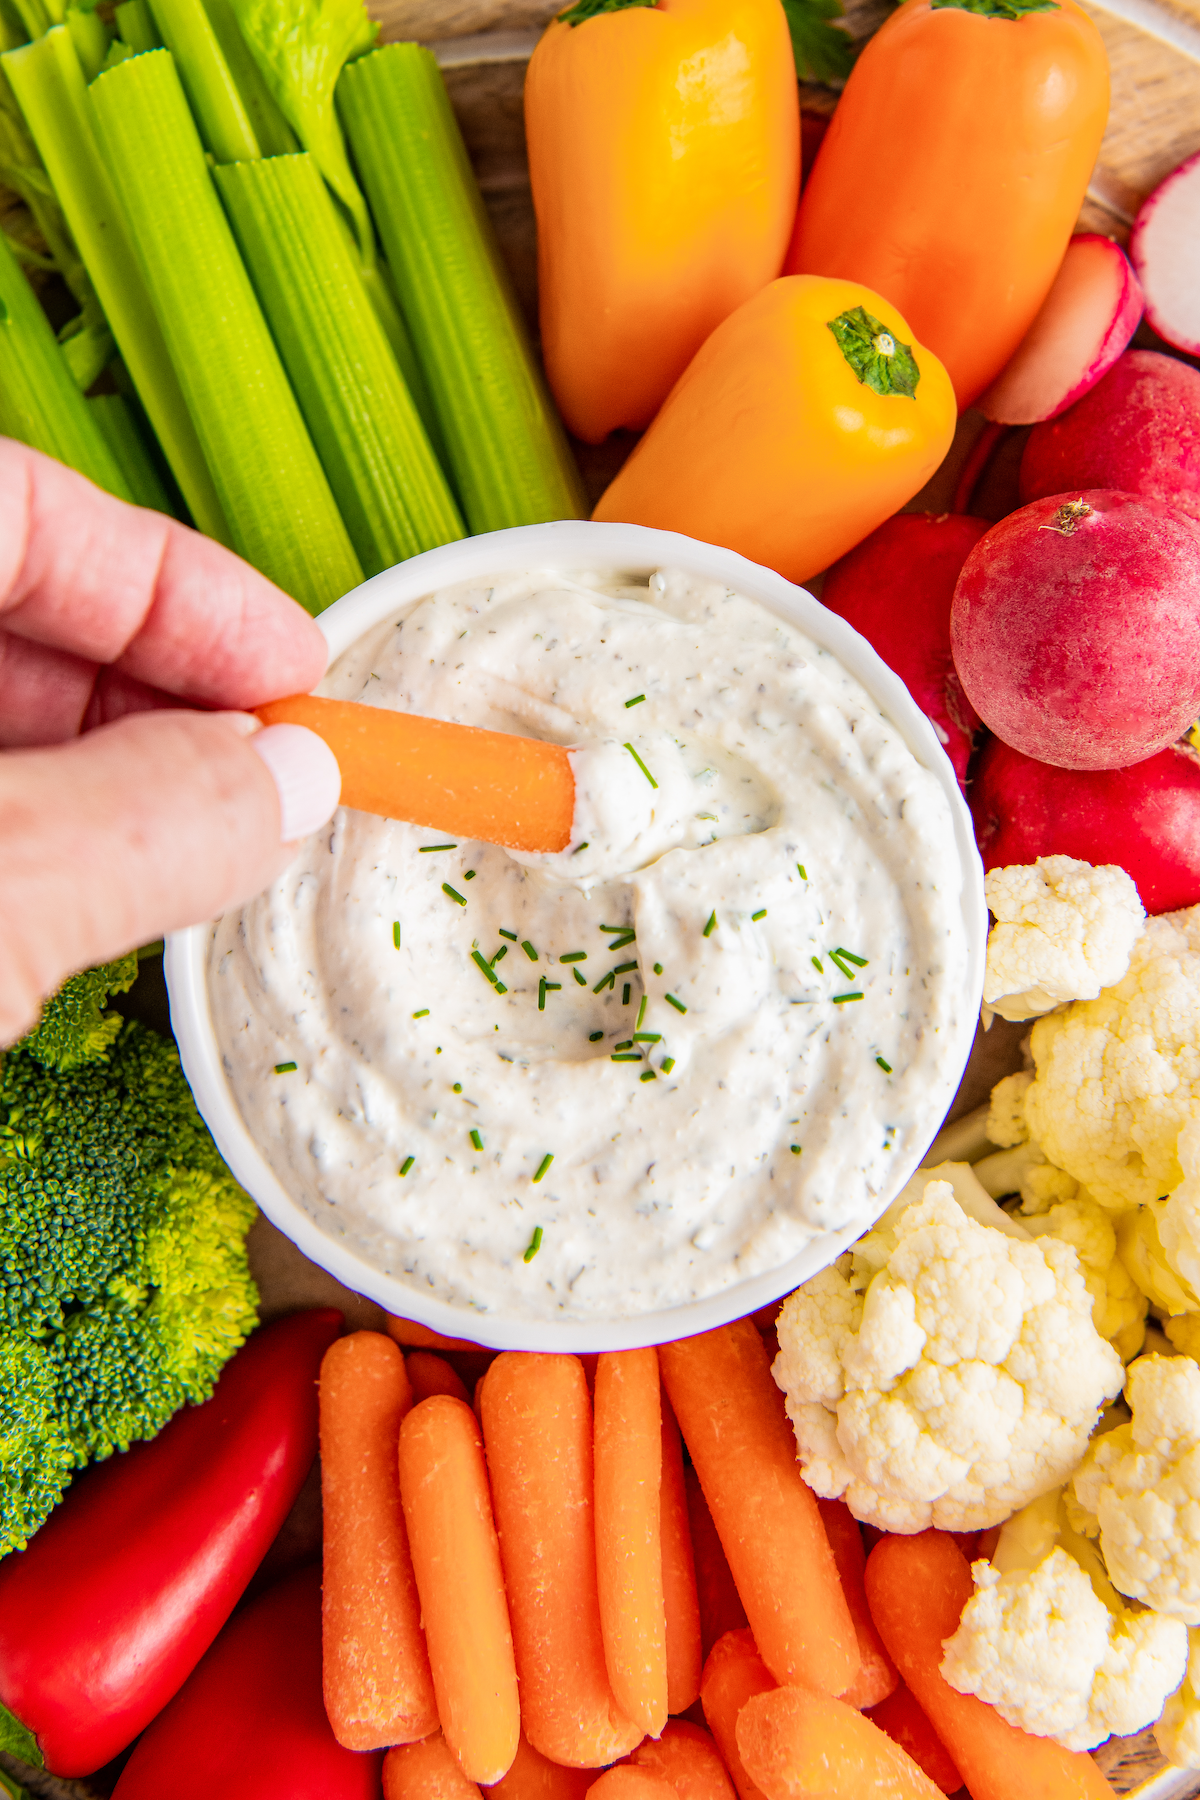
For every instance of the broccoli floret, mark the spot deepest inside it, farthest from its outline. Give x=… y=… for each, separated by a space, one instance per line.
x=74 y=1028
x=124 y=1284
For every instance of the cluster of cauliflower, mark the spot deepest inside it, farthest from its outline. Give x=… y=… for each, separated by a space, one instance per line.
x=964 y=1365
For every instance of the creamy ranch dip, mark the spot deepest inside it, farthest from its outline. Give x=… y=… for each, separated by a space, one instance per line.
x=624 y=1076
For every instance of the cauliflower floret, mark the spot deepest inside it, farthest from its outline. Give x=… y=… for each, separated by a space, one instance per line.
x=1177 y=1733
x=1063 y=931
x=1117 y=1078
x=1138 y=1489
x=1118 y=1305
x=1178 y=1217
x=971 y=1382
x=1007 y=1125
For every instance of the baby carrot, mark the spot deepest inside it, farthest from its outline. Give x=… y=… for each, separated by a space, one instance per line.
x=456 y=1560
x=877 y=1675
x=537 y=1425
x=425 y=1771
x=720 y=1604
x=685 y=1658
x=902 y=1718
x=430 y=1374
x=534 y=1777
x=917 y=1588
x=733 y=1422
x=628 y=1783
x=378 y=1688
x=798 y=1744
x=733 y=1674
x=419 y=1337
x=492 y=785
x=629 y=1572
x=686 y=1757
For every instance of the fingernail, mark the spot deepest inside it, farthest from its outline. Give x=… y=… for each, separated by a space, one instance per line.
x=306 y=775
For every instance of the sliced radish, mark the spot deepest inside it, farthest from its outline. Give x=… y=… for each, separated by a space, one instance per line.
x=1086 y=320
x=1165 y=248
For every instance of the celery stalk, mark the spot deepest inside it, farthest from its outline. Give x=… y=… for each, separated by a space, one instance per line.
x=91 y=38
x=508 y=456
x=274 y=134
x=116 y=422
x=273 y=491
x=212 y=92
x=136 y=27
x=49 y=85
x=39 y=401
x=373 y=447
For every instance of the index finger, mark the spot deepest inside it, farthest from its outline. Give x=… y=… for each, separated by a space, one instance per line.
x=88 y=575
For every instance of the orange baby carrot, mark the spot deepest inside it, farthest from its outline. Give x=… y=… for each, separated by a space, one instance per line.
x=798 y=1744
x=628 y=1783
x=425 y=1771
x=901 y=1717
x=509 y=790
x=534 y=1777
x=537 y=1425
x=733 y=1422
x=378 y=1688
x=430 y=1374
x=733 y=1674
x=917 y=1588
x=629 y=1573
x=419 y=1337
x=877 y=1675
x=685 y=1658
x=456 y=1560
x=687 y=1757
x=720 y=1604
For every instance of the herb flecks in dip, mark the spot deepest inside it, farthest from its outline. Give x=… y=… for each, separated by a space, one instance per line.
x=659 y=1062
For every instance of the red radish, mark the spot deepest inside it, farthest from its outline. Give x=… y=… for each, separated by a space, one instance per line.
x=1085 y=322
x=1137 y=431
x=1076 y=628
x=1146 y=819
x=896 y=588
x=1165 y=248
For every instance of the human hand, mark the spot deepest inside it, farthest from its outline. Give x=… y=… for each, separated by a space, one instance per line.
x=123 y=816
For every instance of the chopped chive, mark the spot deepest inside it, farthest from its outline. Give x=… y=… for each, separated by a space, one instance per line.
x=626 y=1045
x=546 y=987
x=535 y=1242
x=609 y=980
x=712 y=923
x=500 y=988
x=608 y=928
x=284 y=1068
x=457 y=1087
x=423 y=1014
x=529 y=950
x=658 y=968
x=803 y=871
x=579 y=847
x=759 y=915
x=581 y=979
x=860 y=962
x=626 y=1056
x=677 y=1004
x=594 y=1037
x=574 y=956
x=626 y=990
x=470 y=875
x=668 y=1063
x=649 y=1075
x=641 y=765
x=407 y=1164
x=647 y=1037
x=619 y=943
x=396 y=932
x=642 y=1011
x=477 y=1140
x=428 y=849
x=624 y=968
x=510 y=935
x=541 y=1170
x=796 y=1149
x=484 y=966
x=816 y=963
x=500 y=955
x=885 y=1066
x=459 y=899
x=840 y=999
x=636 y=701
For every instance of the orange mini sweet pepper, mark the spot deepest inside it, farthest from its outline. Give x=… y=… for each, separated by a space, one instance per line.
x=807 y=418
x=664 y=151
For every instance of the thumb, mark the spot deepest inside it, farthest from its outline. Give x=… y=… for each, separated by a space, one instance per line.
x=158 y=821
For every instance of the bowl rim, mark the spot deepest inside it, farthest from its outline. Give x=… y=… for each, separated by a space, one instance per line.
x=563 y=547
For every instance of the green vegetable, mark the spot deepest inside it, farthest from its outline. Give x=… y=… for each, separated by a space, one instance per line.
x=506 y=452
x=111 y=412
x=125 y=1286
x=823 y=53
x=40 y=403
x=135 y=26
x=368 y=433
x=208 y=81
x=281 y=513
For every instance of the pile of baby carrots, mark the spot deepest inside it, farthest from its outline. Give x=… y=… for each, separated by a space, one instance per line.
x=607 y=1574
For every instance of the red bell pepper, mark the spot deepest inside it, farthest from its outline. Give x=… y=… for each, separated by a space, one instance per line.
x=121 y=1592
x=250 y=1723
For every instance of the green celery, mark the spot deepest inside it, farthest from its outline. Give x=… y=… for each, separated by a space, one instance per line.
x=275 y=135
x=213 y=94
x=21 y=170
x=508 y=456
x=281 y=512
x=111 y=412
x=49 y=84
x=39 y=401
x=12 y=30
x=136 y=27
x=91 y=38
x=87 y=344
x=373 y=447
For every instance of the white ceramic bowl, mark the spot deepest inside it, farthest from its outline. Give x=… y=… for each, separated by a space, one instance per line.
x=569 y=545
